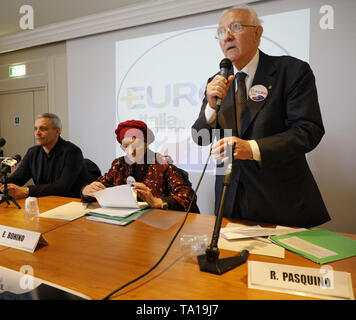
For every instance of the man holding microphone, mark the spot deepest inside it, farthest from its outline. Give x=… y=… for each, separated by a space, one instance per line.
x=270 y=105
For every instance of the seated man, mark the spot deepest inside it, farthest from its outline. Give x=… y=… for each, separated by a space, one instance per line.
x=158 y=182
x=55 y=165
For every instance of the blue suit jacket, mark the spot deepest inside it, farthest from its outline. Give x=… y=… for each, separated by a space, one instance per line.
x=286 y=125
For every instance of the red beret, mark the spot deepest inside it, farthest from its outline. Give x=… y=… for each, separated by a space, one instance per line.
x=134 y=128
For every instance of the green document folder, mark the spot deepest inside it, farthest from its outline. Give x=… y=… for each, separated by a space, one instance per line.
x=127 y=219
x=319 y=245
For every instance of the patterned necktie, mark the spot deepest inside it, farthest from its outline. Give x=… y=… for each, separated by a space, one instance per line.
x=240 y=98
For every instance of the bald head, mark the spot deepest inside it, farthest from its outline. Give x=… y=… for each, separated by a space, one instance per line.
x=242 y=33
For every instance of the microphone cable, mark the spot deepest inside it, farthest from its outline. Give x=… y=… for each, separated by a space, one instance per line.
x=171 y=243
x=225 y=66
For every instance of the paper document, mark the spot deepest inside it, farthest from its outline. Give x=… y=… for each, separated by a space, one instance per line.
x=94 y=216
x=118 y=197
x=69 y=211
x=109 y=221
x=115 y=212
x=308 y=247
x=255 y=245
x=240 y=232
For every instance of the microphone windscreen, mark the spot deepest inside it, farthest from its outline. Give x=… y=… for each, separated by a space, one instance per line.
x=17 y=157
x=226 y=63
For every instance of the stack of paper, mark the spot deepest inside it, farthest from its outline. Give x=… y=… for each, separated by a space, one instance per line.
x=118 y=206
x=238 y=237
x=115 y=219
x=240 y=232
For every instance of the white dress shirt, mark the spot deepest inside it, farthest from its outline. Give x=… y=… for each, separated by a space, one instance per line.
x=250 y=70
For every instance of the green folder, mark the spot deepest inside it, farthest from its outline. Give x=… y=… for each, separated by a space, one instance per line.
x=123 y=219
x=319 y=245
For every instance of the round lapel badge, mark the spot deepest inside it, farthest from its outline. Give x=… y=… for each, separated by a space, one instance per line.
x=258 y=93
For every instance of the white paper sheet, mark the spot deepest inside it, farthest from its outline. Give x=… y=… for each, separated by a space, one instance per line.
x=308 y=247
x=117 y=197
x=236 y=231
x=260 y=246
x=69 y=211
x=109 y=221
x=116 y=212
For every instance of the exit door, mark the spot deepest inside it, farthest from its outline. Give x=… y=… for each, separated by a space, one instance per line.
x=17 y=114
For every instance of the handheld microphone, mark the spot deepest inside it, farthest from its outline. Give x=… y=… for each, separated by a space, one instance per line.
x=225 y=66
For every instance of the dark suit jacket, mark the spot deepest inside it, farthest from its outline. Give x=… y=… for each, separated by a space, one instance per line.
x=63 y=173
x=286 y=125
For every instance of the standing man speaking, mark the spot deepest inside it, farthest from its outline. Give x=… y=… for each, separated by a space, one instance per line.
x=270 y=105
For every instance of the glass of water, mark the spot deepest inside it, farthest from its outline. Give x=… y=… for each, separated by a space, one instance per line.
x=31 y=208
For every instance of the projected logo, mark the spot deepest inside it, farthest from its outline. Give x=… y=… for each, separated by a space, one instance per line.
x=164 y=87
x=161 y=80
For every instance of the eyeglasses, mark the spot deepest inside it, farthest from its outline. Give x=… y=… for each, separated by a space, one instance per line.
x=234 y=27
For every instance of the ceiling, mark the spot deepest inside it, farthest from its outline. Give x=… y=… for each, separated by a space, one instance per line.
x=60 y=20
x=53 y=11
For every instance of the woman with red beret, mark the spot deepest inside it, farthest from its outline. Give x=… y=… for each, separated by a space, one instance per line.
x=158 y=182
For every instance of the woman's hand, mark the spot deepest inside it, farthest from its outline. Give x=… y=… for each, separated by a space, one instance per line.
x=146 y=195
x=93 y=187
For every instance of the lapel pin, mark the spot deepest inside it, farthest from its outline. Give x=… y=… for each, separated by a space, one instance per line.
x=258 y=93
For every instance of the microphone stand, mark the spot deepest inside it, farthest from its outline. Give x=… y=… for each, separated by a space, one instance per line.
x=210 y=262
x=6 y=197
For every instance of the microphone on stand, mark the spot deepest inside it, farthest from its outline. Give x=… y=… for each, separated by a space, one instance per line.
x=210 y=262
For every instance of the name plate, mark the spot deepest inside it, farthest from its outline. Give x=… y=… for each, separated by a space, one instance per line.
x=323 y=282
x=21 y=239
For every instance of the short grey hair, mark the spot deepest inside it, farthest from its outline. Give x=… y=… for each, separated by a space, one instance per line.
x=254 y=19
x=55 y=120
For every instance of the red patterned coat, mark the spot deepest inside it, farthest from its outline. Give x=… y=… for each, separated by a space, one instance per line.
x=165 y=180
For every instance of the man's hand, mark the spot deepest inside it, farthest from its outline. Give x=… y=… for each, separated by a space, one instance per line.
x=217 y=88
x=93 y=187
x=242 y=149
x=15 y=191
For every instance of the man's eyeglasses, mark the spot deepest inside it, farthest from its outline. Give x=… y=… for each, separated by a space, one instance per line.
x=234 y=27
